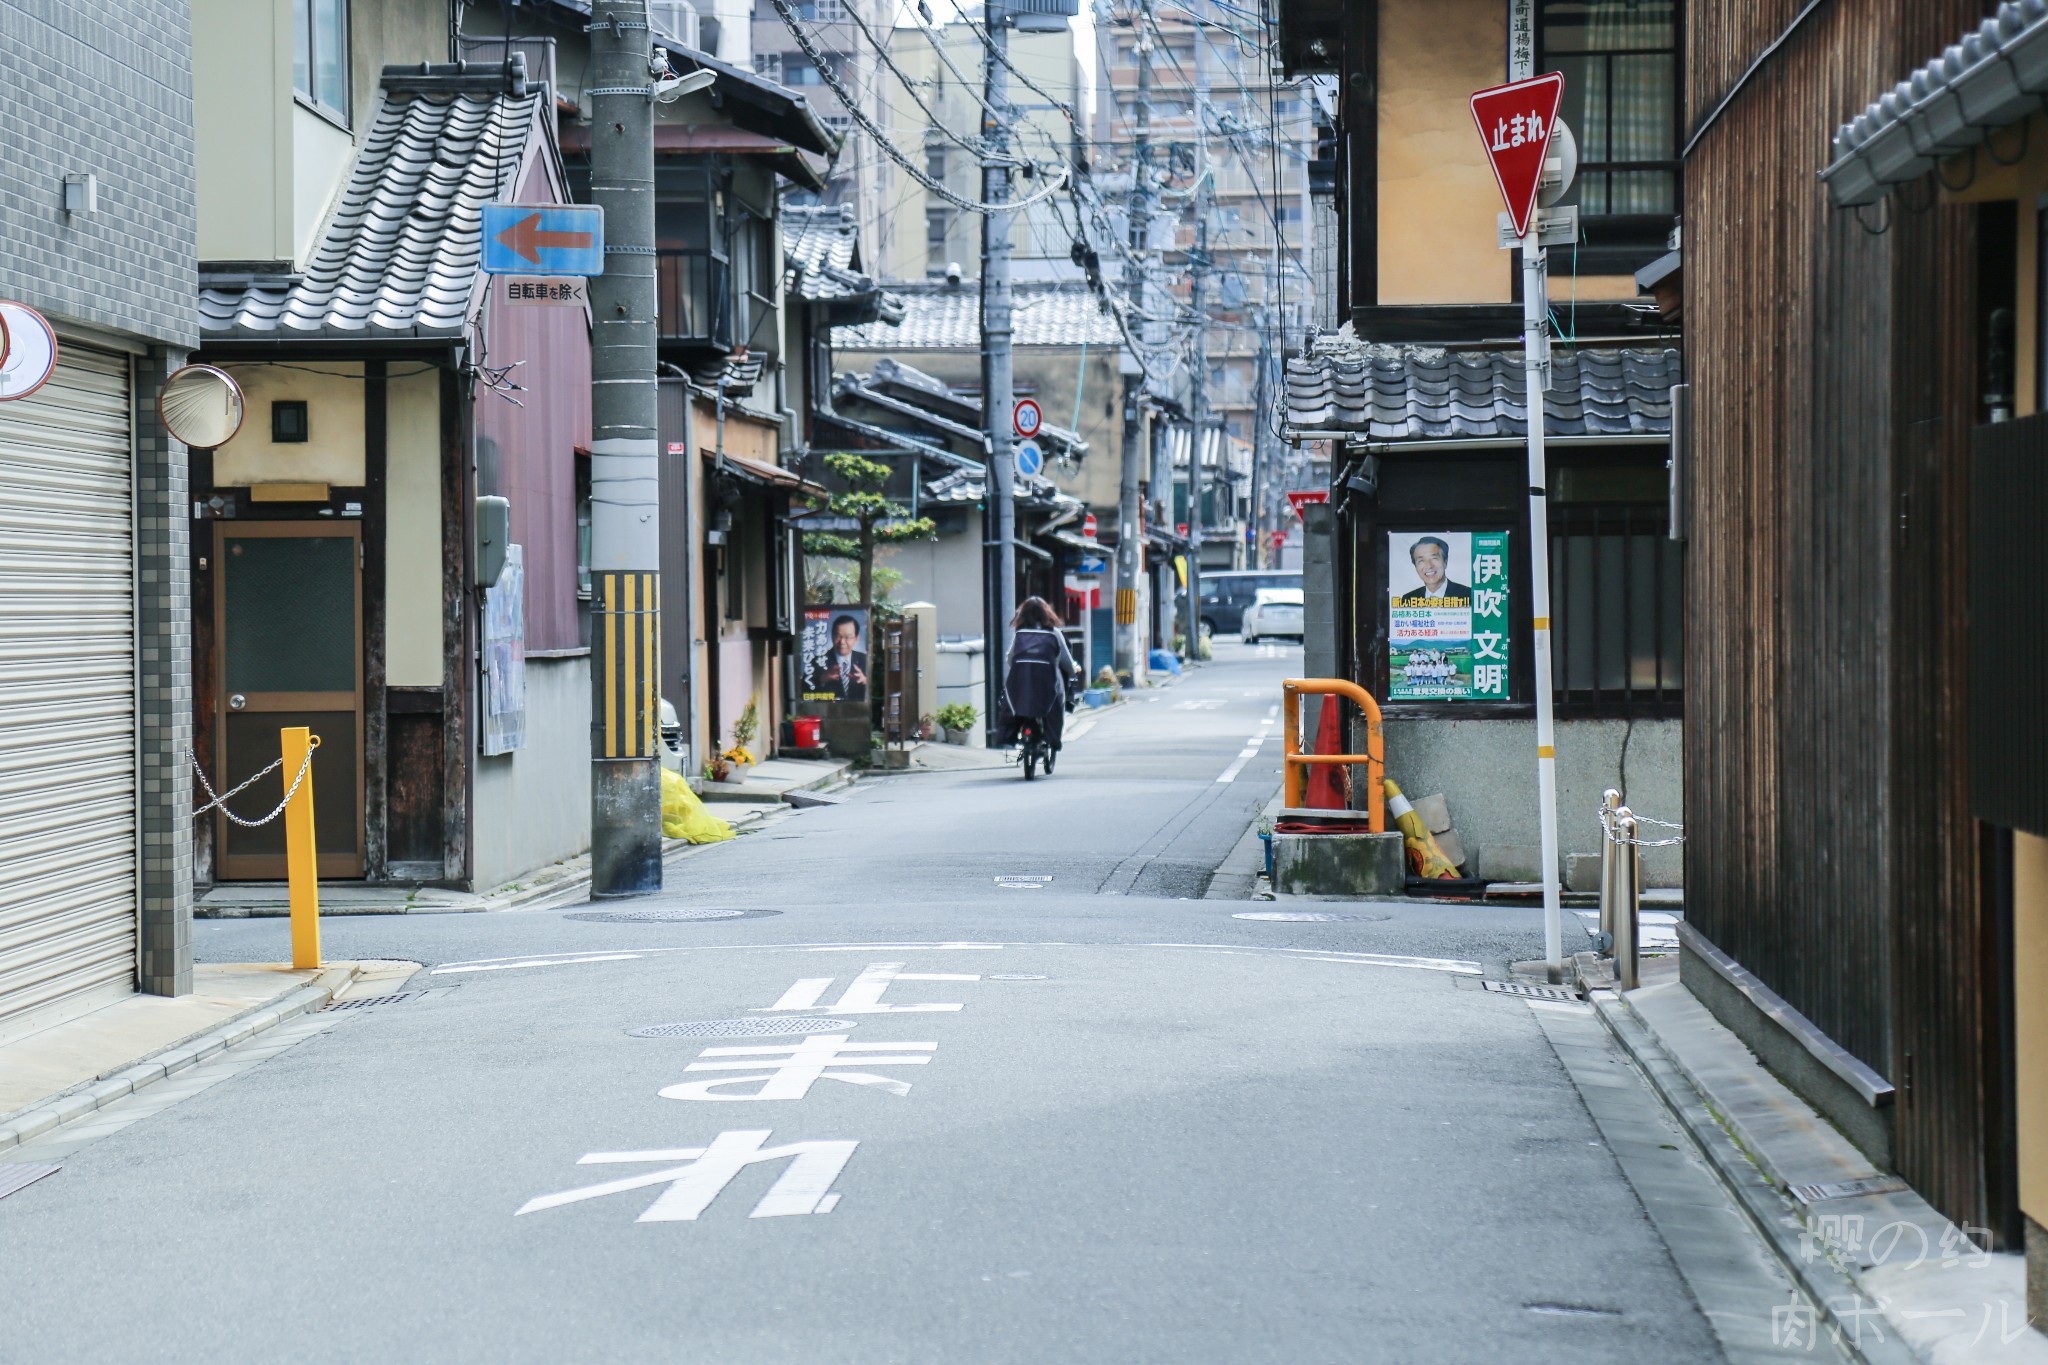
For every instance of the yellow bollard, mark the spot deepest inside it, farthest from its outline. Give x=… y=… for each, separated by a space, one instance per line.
x=301 y=857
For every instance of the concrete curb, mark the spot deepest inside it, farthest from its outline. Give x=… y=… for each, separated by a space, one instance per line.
x=570 y=887
x=1766 y=1207
x=81 y=1100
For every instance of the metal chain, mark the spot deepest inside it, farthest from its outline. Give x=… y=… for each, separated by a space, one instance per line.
x=220 y=801
x=1606 y=818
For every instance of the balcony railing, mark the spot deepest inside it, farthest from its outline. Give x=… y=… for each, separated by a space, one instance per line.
x=690 y=290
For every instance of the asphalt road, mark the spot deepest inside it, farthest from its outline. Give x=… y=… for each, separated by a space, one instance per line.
x=1066 y=1109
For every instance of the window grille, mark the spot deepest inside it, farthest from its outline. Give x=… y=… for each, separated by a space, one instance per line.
x=1617 y=593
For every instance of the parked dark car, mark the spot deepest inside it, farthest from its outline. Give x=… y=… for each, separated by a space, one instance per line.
x=1226 y=594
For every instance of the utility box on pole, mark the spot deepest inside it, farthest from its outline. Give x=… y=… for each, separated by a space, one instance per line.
x=625 y=470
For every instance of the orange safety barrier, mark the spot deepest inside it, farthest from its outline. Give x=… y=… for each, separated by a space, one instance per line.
x=1294 y=763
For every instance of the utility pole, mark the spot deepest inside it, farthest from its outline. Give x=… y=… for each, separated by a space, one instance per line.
x=1198 y=389
x=999 y=519
x=625 y=533
x=1130 y=549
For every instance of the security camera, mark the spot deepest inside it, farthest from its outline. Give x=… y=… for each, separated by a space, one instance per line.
x=952 y=274
x=673 y=88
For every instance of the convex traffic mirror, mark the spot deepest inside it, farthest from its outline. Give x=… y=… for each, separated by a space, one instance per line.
x=201 y=406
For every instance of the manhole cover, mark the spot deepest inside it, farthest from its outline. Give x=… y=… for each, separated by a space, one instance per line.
x=664 y=916
x=742 y=1028
x=1529 y=992
x=1015 y=976
x=1307 y=916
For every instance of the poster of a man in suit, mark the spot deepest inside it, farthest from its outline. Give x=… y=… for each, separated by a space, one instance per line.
x=835 y=653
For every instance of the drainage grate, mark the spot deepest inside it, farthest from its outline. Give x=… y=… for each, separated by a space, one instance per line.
x=1846 y=1189
x=1529 y=992
x=20 y=1175
x=742 y=1028
x=369 y=1001
x=1308 y=916
x=664 y=916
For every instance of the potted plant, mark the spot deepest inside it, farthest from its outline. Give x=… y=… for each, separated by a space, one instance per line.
x=927 y=726
x=956 y=718
x=717 y=768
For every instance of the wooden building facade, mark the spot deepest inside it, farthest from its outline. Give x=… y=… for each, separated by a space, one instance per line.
x=1847 y=913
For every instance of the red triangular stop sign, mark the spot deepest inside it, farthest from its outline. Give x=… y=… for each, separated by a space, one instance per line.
x=1515 y=121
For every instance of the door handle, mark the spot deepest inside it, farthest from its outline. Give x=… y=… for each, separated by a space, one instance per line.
x=237 y=702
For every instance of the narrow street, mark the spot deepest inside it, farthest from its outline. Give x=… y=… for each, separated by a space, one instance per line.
x=1022 y=1092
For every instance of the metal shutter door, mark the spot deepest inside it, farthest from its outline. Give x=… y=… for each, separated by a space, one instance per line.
x=67 y=689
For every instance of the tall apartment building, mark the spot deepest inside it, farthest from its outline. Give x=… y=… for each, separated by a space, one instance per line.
x=1217 y=107
x=917 y=233
x=835 y=30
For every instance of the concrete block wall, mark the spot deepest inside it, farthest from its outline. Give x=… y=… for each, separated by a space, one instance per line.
x=1486 y=769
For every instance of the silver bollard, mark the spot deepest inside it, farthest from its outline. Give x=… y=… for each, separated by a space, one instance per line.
x=1610 y=801
x=1628 y=899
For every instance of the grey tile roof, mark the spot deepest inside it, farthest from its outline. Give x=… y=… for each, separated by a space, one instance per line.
x=1992 y=77
x=940 y=317
x=893 y=382
x=821 y=245
x=971 y=485
x=399 y=258
x=1474 y=395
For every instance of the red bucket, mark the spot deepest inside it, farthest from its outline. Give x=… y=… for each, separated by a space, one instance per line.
x=807 y=731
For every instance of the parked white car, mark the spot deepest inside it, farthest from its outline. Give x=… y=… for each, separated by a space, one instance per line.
x=1274 y=611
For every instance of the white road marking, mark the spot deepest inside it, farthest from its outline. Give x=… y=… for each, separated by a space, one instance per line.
x=791 y=1076
x=864 y=994
x=1230 y=773
x=1242 y=949
x=802 y=1188
x=1271 y=712
x=534 y=962
x=1203 y=704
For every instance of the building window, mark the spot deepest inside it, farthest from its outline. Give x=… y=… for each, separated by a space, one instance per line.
x=1620 y=65
x=935 y=165
x=769 y=64
x=1617 y=592
x=320 y=53
x=938 y=224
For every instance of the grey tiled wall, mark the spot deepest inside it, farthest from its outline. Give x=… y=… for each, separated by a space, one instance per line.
x=163 y=536
x=106 y=89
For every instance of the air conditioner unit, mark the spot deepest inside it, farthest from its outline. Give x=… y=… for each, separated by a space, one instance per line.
x=675 y=20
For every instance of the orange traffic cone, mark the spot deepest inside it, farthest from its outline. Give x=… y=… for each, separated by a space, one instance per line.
x=1329 y=784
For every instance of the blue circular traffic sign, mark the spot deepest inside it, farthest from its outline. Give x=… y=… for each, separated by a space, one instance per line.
x=1030 y=459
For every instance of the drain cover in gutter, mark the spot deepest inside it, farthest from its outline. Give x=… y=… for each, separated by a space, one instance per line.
x=664 y=916
x=1306 y=916
x=19 y=1176
x=1529 y=992
x=1846 y=1189
x=742 y=1028
x=372 y=1000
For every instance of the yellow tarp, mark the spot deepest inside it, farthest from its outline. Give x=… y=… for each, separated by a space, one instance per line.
x=683 y=816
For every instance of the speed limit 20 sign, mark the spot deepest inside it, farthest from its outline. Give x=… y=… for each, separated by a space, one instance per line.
x=1028 y=417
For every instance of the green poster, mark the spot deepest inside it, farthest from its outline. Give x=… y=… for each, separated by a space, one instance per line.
x=1490 y=615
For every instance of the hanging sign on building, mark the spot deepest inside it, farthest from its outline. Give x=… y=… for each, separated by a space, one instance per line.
x=1447 y=616
x=528 y=291
x=1515 y=123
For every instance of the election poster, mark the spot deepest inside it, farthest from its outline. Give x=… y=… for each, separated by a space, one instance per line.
x=835 y=653
x=1447 y=616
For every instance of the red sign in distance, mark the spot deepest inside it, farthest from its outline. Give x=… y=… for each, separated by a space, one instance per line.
x=1028 y=417
x=1515 y=123
x=1088 y=527
x=1301 y=497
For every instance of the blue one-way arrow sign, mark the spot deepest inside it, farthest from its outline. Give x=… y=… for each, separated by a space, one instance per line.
x=543 y=239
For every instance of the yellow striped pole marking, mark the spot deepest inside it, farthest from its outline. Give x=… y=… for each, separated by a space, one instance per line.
x=1546 y=751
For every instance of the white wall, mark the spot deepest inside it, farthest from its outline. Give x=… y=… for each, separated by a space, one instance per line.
x=946 y=573
x=333 y=450
x=533 y=805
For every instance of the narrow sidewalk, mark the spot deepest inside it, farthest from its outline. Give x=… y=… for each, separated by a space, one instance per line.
x=70 y=1069
x=766 y=792
x=1897 y=1281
